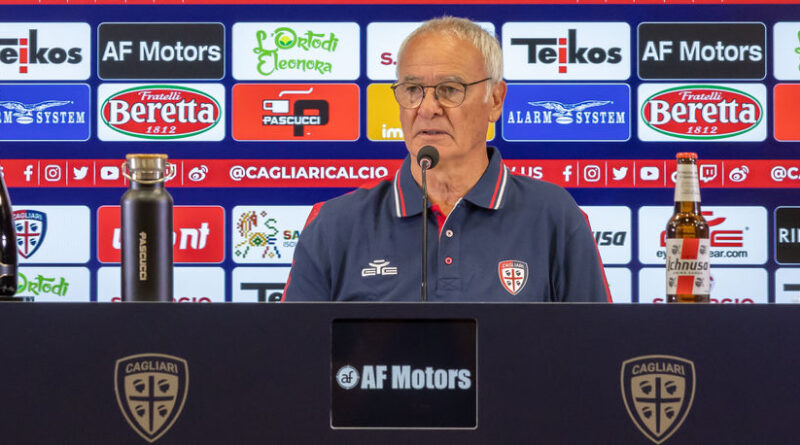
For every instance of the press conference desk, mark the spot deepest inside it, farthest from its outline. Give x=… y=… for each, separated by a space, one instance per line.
x=263 y=373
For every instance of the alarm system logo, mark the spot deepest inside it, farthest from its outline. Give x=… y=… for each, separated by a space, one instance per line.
x=658 y=391
x=151 y=391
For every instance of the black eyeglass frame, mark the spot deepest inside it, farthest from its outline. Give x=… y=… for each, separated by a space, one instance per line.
x=435 y=94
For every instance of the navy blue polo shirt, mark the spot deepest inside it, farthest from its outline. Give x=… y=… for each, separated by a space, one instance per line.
x=511 y=238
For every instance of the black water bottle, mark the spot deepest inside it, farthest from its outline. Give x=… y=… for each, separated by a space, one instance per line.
x=146 y=230
x=8 y=247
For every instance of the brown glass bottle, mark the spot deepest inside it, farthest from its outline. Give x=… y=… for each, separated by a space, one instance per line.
x=688 y=249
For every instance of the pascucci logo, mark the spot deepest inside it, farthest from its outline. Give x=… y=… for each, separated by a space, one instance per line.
x=702 y=112
x=284 y=39
x=161 y=112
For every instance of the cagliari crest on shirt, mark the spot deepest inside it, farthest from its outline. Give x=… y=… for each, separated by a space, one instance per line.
x=513 y=275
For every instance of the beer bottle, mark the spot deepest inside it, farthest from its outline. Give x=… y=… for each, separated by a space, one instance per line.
x=688 y=275
x=8 y=247
x=146 y=210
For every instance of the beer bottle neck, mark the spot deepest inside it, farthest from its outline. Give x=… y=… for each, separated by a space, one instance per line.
x=687 y=186
x=687 y=207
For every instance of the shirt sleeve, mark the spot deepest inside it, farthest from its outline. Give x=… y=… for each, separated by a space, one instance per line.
x=309 y=279
x=583 y=278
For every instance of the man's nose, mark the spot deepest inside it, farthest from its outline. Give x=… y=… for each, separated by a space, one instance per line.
x=430 y=106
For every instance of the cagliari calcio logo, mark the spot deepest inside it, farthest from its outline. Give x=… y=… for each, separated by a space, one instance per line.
x=151 y=390
x=658 y=391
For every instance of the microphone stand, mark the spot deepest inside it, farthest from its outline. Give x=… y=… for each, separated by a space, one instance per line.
x=424 y=163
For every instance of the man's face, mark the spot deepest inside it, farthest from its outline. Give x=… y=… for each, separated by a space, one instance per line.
x=456 y=132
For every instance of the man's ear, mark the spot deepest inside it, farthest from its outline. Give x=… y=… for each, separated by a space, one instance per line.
x=496 y=99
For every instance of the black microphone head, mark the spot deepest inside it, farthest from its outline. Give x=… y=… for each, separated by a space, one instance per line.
x=430 y=153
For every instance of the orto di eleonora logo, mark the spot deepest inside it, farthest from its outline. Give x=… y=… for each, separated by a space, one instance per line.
x=658 y=391
x=151 y=390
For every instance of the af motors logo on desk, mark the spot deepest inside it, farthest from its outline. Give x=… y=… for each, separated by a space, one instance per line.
x=45 y=51
x=383 y=377
x=141 y=112
x=161 y=51
x=267 y=235
x=198 y=234
x=786 y=51
x=718 y=50
x=658 y=391
x=740 y=285
x=52 y=234
x=383 y=115
x=712 y=113
x=44 y=112
x=151 y=391
x=383 y=42
x=566 y=51
x=567 y=112
x=295 y=112
x=296 y=51
x=738 y=235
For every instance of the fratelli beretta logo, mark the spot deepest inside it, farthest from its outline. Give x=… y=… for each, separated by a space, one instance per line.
x=658 y=391
x=151 y=390
x=296 y=51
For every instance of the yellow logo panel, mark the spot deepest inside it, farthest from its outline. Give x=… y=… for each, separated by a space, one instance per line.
x=383 y=115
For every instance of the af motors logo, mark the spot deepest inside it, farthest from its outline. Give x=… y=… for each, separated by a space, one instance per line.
x=161 y=51
x=712 y=113
x=52 y=234
x=42 y=112
x=258 y=284
x=737 y=235
x=45 y=51
x=611 y=227
x=403 y=377
x=267 y=235
x=566 y=51
x=786 y=58
x=198 y=234
x=383 y=115
x=718 y=50
x=296 y=51
x=151 y=391
x=740 y=285
x=658 y=391
x=296 y=112
x=567 y=112
x=383 y=43
x=137 y=112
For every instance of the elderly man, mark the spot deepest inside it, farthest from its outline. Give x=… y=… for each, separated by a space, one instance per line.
x=492 y=236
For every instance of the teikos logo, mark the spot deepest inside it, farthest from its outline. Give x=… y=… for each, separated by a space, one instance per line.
x=383 y=115
x=714 y=113
x=658 y=391
x=735 y=51
x=45 y=51
x=131 y=112
x=296 y=51
x=295 y=112
x=786 y=43
x=40 y=112
x=161 y=50
x=561 y=112
x=151 y=391
x=258 y=284
x=566 y=51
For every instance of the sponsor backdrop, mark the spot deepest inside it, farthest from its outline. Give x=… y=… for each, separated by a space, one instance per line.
x=268 y=109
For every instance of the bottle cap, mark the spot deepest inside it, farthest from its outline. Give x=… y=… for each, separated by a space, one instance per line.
x=146 y=168
x=686 y=155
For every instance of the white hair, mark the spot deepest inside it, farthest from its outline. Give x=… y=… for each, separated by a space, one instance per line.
x=466 y=29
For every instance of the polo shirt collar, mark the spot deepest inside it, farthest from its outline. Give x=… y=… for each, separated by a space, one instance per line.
x=487 y=193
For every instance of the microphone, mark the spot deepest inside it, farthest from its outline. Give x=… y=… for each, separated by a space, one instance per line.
x=427 y=158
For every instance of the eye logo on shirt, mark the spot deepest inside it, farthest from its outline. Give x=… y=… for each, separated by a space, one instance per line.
x=513 y=275
x=378 y=267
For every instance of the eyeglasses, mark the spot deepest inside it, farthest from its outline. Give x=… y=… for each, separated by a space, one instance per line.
x=449 y=93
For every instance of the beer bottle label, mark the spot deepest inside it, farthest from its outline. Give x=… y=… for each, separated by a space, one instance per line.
x=688 y=266
x=687 y=186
